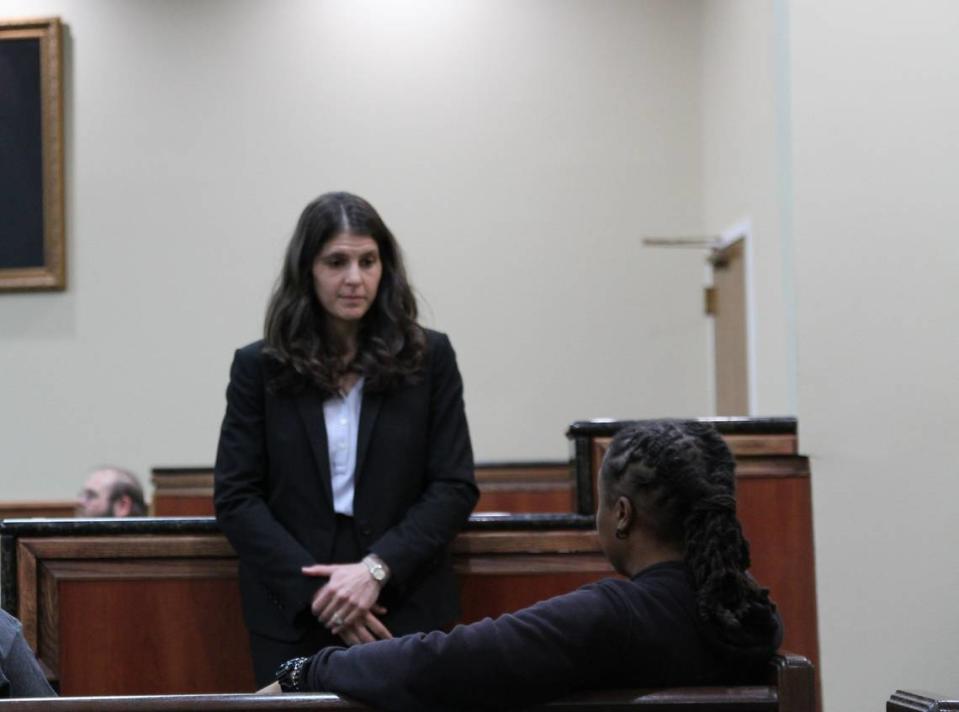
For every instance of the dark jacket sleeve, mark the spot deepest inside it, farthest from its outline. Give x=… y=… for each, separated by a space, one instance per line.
x=450 y=494
x=568 y=642
x=240 y=492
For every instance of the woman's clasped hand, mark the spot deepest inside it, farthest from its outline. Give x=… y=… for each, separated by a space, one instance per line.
x=346 y=604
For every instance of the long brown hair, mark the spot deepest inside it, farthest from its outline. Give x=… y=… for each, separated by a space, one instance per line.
x=391 y=344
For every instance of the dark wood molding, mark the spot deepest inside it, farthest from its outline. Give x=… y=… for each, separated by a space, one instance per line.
x=54 y=508
x=733 y=425
x=919 y=701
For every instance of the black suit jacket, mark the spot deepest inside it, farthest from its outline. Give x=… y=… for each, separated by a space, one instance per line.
x=414 y=490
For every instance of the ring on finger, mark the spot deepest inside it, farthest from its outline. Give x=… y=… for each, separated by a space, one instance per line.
x=336 y=619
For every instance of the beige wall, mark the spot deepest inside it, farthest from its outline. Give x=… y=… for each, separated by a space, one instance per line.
x=875 y=109
x=745 y=160
x=519 y=150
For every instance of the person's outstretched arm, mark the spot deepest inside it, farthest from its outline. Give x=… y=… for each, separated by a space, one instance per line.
x=569 y=642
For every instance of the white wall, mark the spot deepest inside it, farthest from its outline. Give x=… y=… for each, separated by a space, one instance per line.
x=519 y=150
x=745 y=164
x=875 y=110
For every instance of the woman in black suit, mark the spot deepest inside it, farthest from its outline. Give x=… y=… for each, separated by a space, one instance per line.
x=344 y=467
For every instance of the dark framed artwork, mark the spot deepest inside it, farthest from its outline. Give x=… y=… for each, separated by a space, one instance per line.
x=32 y=255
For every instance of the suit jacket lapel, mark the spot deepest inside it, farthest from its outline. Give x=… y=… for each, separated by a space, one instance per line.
x=310 y=406
x=368 y=413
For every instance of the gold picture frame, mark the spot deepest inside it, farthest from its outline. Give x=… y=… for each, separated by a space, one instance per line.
x=32 y=251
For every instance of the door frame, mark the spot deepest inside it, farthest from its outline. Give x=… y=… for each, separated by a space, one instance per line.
x=740 y=230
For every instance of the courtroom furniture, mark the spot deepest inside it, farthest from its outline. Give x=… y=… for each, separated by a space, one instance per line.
x=789 y=689
x=182 y=492
x=41 y=508
x=525 y=487
x=504 y=487
x=915 y=701
x=774 y=504
x=161 y=594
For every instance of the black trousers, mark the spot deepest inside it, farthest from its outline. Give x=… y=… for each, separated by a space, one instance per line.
x=269 y=654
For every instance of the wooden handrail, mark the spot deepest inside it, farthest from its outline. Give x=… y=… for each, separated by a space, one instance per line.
x=791 y=690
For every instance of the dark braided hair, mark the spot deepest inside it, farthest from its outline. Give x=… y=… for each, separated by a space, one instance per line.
x=680 y=477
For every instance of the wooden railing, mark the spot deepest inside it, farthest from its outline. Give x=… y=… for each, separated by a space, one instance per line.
x=789 y=689
x=518 y=487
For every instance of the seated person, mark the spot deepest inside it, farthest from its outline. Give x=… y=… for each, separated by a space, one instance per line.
x=20 y=674
x=111 y=492
x=686 y=613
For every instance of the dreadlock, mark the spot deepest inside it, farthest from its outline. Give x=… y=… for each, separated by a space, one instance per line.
x=681 y=476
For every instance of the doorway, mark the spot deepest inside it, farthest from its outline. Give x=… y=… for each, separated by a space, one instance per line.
x=728 y=305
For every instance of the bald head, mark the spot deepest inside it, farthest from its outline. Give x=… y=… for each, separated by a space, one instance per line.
x=111 y=492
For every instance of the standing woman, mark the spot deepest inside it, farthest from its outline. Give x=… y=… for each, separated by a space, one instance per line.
x=344 y=467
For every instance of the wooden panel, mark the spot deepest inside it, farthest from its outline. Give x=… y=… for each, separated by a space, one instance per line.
x=525 y=488
x=166 y=626
x=504 y=487
x=493 y=595
x=768 y=444
x=166 y=605
x=185 y=492
x=170 y=504
x=506 y=571
x=554 y=499
x=53 y=509
x=479 y=543
x=131 y=546
x=527 y=472
x=776 y=518
x=740 y=446
x=158 y=601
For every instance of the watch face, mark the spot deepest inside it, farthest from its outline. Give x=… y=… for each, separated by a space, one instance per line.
x=376 y=569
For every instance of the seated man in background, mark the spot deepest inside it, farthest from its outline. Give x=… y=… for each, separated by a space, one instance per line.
x=111 y=492
x=20 y=674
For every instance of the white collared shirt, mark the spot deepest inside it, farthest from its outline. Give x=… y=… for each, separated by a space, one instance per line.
x=342 y=416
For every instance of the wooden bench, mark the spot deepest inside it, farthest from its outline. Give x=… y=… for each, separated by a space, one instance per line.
x=504 y=487
x=789 y=689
